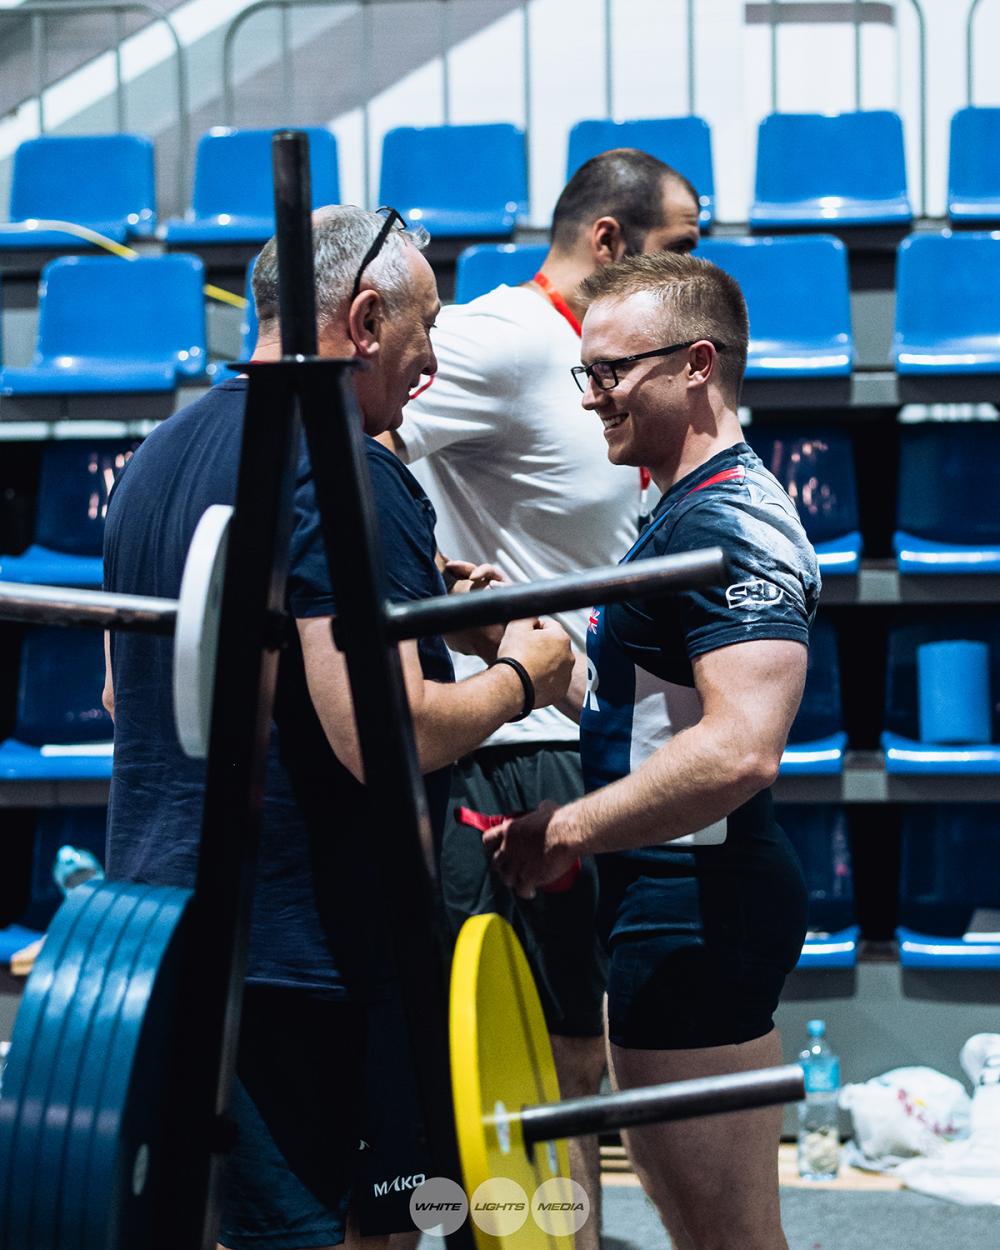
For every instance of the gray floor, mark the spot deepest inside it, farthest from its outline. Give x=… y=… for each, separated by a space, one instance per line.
x=821 y=1220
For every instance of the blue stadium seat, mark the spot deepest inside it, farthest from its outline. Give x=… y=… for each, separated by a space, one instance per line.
x=816 y=468
x=458 y=181
x=56 y=177
x=485 y=266
x=74 y=484
x=14 y=938
x=798 y=297
x=233 y=199
x=115 y=325
x=685 y=143
x=947 y=518
x=974 y=166
x=82 y=827
x=905 y=754
x=62 y=731
x=949 y=904
x=816 y=170
x=948 y=304
x=817 y=741
x=819 y=835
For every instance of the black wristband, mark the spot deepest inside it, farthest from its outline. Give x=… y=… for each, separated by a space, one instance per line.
x=527 y=685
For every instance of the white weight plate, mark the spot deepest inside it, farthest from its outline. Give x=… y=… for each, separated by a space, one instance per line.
x=196 y=639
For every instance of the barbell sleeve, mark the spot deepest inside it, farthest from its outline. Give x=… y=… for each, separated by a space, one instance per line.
x=655 y=1104
x=60 y=605
x=610 y=584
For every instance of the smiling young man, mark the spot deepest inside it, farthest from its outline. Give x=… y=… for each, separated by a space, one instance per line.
x=688 y=705
x=520 y=480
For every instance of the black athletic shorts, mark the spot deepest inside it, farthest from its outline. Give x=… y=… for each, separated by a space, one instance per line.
x=325 y=1111
x=558 y=931
x=700 y=941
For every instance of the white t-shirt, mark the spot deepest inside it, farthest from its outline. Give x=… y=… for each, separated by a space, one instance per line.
x=517 y=472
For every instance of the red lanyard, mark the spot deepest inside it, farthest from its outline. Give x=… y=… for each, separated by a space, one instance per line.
x=557 y=302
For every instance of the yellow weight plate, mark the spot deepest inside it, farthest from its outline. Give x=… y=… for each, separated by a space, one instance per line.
x=501 y=1061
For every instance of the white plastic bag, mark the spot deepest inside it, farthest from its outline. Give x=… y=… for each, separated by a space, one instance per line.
x=968 y=1171
x=905 y=1112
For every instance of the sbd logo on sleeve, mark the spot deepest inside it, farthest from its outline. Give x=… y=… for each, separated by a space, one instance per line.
x=755 y=594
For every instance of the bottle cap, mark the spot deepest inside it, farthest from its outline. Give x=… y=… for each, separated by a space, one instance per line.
x=816 y=1028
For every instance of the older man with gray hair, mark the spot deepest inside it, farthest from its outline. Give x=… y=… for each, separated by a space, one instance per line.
x=320 y=974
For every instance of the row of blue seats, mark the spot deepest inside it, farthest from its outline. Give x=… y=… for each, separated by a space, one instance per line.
x=949 y=890
x=61 y=731
x=107 y=324
x=818 y=743
x=947 y=883
x=813 y=171
x=947 y=521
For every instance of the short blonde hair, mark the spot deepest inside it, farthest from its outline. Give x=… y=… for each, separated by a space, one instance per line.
x=699 y=300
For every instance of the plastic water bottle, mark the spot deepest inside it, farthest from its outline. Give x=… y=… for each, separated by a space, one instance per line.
x=73 y=866
x=819 y=1134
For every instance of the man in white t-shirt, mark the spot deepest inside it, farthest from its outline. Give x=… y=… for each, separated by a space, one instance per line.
x=521 y=480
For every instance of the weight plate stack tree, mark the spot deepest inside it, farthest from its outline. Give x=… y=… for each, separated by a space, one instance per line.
x=111 y=1118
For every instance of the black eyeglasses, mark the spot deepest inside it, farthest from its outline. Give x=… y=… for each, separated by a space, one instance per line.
x=604 y=372
x=390 y=220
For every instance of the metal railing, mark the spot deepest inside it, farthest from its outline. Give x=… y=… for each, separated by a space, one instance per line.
x=37 y=10
x=859 y=13
x=969 y=67
x=364 y=7
x=609 y=49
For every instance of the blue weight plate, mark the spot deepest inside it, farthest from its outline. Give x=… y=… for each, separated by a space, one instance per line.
x=28 y=1019
x=33 y=1095
x=126 y=1141
x=94 y=1061
x=48 y=1183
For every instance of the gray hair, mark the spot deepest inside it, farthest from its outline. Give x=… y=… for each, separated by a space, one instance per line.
x=342 y=234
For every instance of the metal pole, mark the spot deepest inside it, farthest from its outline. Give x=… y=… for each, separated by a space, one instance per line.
x=119 y=23
x=691 y=58
x=609 y=62
x=922 y=55
x=774 y=55
x=38 y=62
x=657 y=1104
x=526 y=72
x=368 y=62
x=57 y=605
x=556 y=594
x=857 y=55
x=287 y=83
x=293 y=228
x=446 y=62
x=969 y=68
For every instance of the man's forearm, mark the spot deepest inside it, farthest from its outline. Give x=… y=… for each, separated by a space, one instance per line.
x=692 y=781
x=453 y=719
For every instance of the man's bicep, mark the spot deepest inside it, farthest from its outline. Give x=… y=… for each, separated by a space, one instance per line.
x=330 y=687
x=754 y=687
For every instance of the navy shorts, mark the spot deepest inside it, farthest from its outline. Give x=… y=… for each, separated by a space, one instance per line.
x=700 y=940
x=326 y=1117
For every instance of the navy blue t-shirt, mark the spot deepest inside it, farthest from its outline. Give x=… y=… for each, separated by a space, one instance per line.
x=640 y=681
x=310 y=924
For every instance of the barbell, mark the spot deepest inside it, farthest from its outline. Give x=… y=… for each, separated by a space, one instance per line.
x=193 y=618
x=510 y=1123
